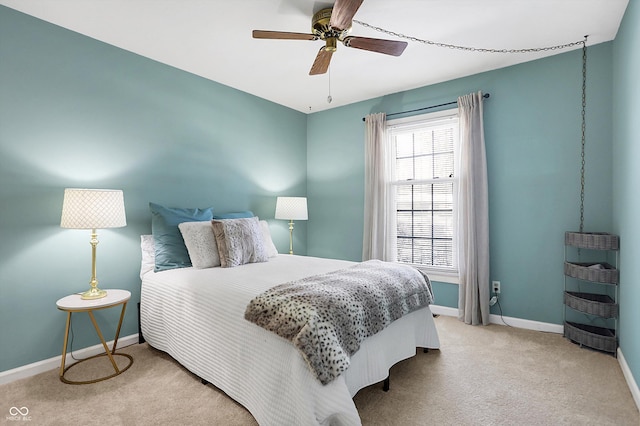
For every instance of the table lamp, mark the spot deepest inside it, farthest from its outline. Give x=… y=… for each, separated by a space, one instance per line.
x=93 y=209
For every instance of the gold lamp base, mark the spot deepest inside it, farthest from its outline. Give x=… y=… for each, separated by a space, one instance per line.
x=290 y=236
x=93 y=293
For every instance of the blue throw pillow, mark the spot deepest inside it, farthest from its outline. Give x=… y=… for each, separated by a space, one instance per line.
x=171 y=252
x=235 y=215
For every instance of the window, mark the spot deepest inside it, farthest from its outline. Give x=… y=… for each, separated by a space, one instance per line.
x=425 y=153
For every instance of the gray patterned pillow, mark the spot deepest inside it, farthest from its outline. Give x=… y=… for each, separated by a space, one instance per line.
x=239 y=241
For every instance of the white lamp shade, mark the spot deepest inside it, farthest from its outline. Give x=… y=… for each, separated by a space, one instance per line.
x=93 y=209
x=291 y=208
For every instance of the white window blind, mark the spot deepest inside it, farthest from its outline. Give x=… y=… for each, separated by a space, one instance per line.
x=426 y=189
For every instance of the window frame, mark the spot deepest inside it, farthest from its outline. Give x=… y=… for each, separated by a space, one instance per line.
x=431 y=120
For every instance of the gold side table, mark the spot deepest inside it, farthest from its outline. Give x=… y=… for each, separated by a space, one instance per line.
x=74 y=303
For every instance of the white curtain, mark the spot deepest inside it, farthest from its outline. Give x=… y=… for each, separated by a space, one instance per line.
x=473 y=214
x=379 y=240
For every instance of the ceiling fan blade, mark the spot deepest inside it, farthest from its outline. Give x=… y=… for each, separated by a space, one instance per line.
x=343 y=12
x=388 y=47
x=280 y=35
x=321 y=64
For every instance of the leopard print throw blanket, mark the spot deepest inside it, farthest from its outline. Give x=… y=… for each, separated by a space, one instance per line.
x=327 y=316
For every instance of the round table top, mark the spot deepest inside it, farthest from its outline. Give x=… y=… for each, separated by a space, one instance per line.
x=74 y=302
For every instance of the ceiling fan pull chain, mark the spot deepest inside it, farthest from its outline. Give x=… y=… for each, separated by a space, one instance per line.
x=329 y=98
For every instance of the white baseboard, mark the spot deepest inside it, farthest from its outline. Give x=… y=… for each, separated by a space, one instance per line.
x=29 y=370
x=497 y=319
x=527 y=324
x=444 y=310
x=631 y=382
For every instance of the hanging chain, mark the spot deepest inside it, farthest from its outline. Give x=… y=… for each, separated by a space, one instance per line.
x=467 y=48
x=584 y=129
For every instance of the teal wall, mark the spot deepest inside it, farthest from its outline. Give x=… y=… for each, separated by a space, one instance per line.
x=75 y=112
x=533 y=132
x=626 y=179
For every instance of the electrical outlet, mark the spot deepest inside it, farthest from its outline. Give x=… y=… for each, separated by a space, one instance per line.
x=495 y=287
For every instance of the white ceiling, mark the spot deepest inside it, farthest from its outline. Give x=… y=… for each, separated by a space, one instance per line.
x=212 y=39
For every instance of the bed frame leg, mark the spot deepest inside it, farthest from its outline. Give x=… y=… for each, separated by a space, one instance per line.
x=204 y=382
x=385 y=384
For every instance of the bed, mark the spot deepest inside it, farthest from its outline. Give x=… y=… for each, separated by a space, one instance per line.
x=196 y=315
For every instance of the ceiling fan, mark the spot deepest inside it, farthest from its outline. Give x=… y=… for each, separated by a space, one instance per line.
x=333 y=25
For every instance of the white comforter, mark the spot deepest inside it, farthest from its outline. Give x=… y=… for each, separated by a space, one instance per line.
x=197 y=317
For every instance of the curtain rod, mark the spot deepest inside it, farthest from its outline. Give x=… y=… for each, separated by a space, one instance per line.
x=485 y=96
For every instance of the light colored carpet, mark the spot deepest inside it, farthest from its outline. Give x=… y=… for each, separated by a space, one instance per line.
x=494 y=375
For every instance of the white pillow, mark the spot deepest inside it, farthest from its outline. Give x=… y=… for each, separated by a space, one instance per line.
x=201 y=244
x=240 y=241
x=272 y=251
x=148 y=249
